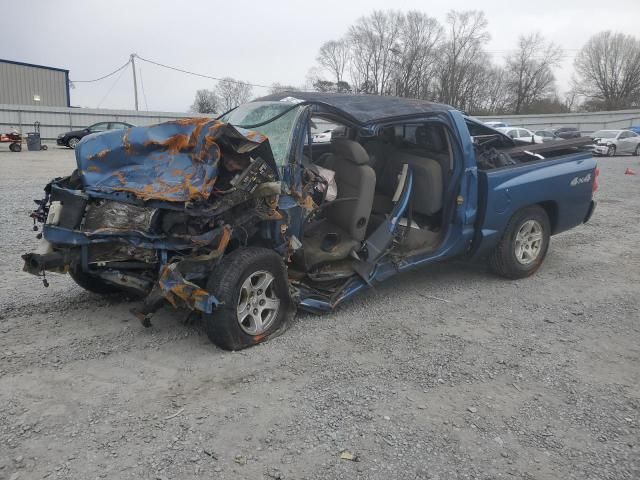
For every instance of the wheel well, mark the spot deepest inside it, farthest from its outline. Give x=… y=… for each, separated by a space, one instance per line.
x=551 y=209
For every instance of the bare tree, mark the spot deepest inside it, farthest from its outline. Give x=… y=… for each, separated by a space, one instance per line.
x=608 y=69
x=462 y=56
x=571 y=99
x=530 y=71
x=278 y=88
x=372 y=41
x=232 y=92
x=334 y=56
x=416 y=52
x=327 y=86
x=490 y=96
x=206 y=101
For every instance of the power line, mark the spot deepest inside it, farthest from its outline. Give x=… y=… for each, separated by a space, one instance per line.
x=111 y=88
x=201 y=74
x=105 y=76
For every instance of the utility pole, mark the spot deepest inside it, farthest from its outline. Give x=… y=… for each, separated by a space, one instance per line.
x=135 y=81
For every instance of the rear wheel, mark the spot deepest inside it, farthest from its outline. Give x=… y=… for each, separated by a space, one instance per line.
x=523 y=246
x=15 y=147
x=252 y=285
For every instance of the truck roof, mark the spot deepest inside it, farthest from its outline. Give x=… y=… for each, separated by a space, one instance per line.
x=363 y=108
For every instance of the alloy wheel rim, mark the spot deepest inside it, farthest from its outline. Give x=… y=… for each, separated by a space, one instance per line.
x=258 y=304
x=528 y=242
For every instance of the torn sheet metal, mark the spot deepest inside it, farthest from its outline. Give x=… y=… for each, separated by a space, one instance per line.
x=174 y=161
x=175 y=286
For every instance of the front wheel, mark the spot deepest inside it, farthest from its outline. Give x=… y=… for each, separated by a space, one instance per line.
x=524 y=244
x=252 y=285
x=93 y=284
x=15 y=147
x=637 y=151
x=611 y=151
x=73 y=141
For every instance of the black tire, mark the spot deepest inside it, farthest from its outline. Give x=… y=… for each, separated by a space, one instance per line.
x=223 y=326
x=44 y=147
x=504 y=260
x=611 y=151
x=637 y=151
x=15 y=147
x=93 y=284
x=72 y=142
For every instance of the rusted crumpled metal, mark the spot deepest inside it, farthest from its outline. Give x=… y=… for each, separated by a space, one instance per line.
x=174 y=161
x=175 y=287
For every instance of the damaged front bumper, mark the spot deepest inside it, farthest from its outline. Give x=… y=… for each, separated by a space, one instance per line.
x=174 y=279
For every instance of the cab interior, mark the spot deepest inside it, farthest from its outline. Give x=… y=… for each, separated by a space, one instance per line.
x=370 y=174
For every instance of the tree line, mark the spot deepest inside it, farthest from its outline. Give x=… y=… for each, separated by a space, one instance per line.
x=410 y=54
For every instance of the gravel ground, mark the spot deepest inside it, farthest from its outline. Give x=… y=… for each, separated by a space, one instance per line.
x=443 y=373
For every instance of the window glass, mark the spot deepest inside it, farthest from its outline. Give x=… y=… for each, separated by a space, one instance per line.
x=279 y=130
x=98 y=127
x=605 y=134
x=423 y=137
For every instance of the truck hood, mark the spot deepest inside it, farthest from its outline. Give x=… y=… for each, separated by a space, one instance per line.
x=176 y=161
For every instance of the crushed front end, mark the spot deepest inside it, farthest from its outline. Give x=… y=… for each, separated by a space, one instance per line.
x=151 y=210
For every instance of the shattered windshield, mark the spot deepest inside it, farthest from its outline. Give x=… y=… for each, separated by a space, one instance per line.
x=279 y=131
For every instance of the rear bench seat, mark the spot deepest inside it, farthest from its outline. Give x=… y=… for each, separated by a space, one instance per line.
x=387 y=162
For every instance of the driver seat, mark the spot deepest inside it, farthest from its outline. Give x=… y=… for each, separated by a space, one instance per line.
x=346 y=218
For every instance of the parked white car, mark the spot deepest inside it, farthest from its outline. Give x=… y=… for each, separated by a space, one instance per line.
x=614 y=142
x=496 y=124
x=521 y=135
x=324 y=137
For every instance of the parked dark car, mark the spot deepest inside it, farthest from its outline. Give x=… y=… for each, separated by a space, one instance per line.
x=567 y=132
x=71 y=139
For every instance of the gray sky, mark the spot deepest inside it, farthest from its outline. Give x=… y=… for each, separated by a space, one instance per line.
x=259 y=42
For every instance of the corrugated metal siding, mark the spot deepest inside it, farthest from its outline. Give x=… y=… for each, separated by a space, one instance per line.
x=56 y=120
x=19 y=84
x=585 y=122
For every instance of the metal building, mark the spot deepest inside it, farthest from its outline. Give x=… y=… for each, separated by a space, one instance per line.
x=28 y=84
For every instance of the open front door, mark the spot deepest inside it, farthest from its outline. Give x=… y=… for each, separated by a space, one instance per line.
x=380 y=241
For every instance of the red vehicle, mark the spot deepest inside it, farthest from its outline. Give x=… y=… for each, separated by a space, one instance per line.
x=14 y=139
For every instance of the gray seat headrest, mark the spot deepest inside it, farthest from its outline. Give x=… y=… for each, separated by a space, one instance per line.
x=353 y=151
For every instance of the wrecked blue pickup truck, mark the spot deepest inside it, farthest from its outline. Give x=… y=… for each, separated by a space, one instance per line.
x=243 y=219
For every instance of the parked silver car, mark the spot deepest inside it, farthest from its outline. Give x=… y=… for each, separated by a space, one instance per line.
x=614 y=142
x=547 y=135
